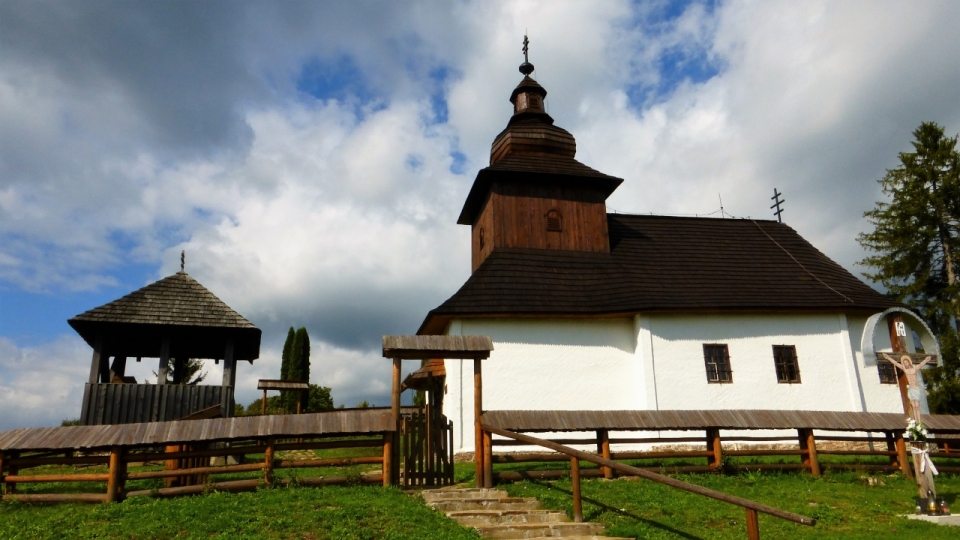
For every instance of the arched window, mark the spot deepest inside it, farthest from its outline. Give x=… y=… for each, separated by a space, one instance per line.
x=480 y=238
x=554 y=221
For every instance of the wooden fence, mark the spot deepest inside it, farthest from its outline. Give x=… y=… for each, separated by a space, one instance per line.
x=865 y=435
x=119 y=459
x=135 y=403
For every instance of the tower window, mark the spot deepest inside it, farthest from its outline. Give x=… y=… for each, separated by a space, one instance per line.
x=480 y=238
x=554 y=221
x=716 y=357
x=786 y=364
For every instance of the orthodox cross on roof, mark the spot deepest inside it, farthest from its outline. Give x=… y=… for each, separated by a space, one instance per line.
x=776 y=204
x=183 y=259
x=526 y=67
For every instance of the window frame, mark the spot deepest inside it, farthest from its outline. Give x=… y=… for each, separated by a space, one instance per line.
x=554 y=220
x=888 y=373
x=784 y=365
x=718 y=367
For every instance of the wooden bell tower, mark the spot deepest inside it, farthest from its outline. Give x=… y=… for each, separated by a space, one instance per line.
x=535 y=194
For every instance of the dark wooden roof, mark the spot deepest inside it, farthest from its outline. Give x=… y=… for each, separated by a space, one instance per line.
x=176 y=306
x=544 y=421
x=663 y=264
x=428 y=374
x=427 y=347
x=348 y=422
x=547 y=169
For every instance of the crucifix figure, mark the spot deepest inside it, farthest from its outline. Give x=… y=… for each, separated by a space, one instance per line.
x=913 y=385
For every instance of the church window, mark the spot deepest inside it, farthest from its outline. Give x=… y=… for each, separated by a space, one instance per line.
x=480 y=237
x=785 y=361
x=554 y=221
x=717 y=360
x=888 y=372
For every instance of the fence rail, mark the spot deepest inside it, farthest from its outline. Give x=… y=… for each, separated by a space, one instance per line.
x=575 y=456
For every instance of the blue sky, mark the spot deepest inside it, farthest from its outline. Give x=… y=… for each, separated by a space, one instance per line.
x=312 y=158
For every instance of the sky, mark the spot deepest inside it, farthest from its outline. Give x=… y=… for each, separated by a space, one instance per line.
x=311 y=158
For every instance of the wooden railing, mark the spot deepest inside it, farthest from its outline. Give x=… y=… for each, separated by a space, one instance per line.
x=118 y=459
x=807 y=446
x=575 y=456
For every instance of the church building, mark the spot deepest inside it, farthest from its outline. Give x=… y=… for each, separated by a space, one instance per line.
x=595 y=311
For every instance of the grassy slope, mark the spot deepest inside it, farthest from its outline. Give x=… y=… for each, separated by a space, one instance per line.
x=845 y=505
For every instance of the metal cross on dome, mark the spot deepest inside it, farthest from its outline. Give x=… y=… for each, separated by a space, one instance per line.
x=526 y=49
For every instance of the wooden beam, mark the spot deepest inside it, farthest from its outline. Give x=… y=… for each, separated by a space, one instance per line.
x=12 y=470
x=603 y=448
x=715 y=448
x=753 y=524
x=899 y=345
x=115 y=481
x=395 y=412
x=487 y=460
x=808 y=444
x=96 y=360
x=268 y=461
x=477 y=429
x=387 y=458
x=164 y=366
x=577 y=503
x=229 y=379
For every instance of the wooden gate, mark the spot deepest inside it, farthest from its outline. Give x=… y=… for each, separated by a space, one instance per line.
x=426 y=449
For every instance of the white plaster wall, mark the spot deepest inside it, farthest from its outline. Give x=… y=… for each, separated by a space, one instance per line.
x=536 y=364
x=823 y=351
x=656 y=362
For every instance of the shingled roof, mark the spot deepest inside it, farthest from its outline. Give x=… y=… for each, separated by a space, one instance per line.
x=663 y=264
x=176 y=304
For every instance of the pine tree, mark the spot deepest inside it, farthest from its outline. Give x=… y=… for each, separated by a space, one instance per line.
x=916 y=241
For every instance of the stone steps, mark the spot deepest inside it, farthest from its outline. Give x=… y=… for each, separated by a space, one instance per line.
x=495 y=514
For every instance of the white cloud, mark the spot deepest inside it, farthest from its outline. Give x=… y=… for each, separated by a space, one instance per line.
x=42 y=385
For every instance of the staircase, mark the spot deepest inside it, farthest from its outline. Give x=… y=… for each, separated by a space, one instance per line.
x=495 y=514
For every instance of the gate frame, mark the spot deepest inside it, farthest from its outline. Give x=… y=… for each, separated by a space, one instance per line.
x=401 y=348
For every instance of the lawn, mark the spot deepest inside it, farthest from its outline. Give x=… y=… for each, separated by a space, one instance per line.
x=845 y=504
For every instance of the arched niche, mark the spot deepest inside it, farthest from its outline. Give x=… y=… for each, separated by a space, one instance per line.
x=915 y=323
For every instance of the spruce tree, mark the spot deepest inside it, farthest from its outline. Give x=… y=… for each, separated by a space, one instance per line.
x=916 y=245
x=299 y=367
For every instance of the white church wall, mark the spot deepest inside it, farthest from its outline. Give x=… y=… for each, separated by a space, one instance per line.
x=572 y=364
x=823 y=351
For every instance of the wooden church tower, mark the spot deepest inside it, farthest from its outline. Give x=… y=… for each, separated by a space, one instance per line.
x=535 y=194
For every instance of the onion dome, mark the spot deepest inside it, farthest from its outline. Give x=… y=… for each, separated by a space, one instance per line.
x=531 y=131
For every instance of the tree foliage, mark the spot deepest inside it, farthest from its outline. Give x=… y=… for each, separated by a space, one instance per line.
x=320 y=399
x=916 y=245
x=285 y=357
x=298 y=368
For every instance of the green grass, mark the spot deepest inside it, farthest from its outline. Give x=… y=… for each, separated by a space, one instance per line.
x=844 y=504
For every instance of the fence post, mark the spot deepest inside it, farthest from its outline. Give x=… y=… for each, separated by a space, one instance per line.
x=577 y=503
x=11 y=488
x=808 y=443
x=268 y=461
x=603 y=448
x=902 y=457
x=714 y=445
x=753 y=524
x=115 y=479
x=891 y=447
x=487 y=459
x=387 y=455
